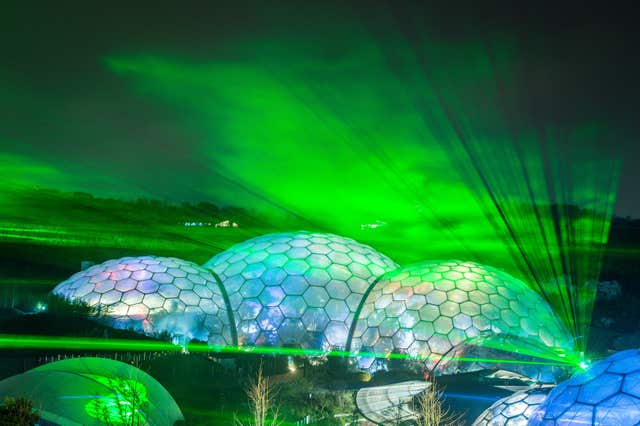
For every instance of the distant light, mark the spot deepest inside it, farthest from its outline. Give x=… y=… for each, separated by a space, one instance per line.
x=376 y=224
x=291 y=364
x=584 y=365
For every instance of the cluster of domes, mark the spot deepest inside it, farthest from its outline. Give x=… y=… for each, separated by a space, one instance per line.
x=606 y=393
x=317 y=291
x=322 y=291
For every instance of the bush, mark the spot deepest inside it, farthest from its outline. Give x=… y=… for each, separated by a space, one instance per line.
x=18 y=412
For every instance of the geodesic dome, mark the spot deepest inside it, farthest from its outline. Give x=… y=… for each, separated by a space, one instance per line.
x=428 y=308
x=514 y=410
x=154 y=295
x=94 y=391
x=607 y=393
x=297 y=288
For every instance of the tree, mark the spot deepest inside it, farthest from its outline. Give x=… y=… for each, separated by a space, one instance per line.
x=18 y=412
x=126 y=405
x=262 y=403
x=431 y=410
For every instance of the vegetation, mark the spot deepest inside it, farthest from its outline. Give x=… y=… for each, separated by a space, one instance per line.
x=60 y=306
x=18 y=412
x=262 y=402
x=303 y=397
x=432 y=411
x=126 y=407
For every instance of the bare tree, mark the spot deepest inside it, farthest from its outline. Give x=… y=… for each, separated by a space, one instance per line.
x=431 y=410
x=262 y=402
x=128 y=403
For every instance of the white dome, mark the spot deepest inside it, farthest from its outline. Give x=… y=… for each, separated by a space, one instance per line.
x=428 y=308
x=154 y=295
x=297 y=288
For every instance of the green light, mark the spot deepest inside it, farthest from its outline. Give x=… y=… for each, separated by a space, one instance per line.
x=125 y=406
x=41 y=342
x=429 y=136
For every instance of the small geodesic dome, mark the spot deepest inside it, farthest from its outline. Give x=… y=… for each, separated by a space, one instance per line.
x=154 y=295
x=425 y=309
x=297 y=288
x=607 y=393
x=94 y=391
x=514 y=410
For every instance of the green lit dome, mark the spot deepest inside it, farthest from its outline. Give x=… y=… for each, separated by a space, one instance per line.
x=428 y=308
x=297 y=288
x=94 y=391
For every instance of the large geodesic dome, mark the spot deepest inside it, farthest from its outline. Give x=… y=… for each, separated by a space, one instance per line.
x=94 y=391
x=515 y=409
x=297 y=288
x=428 y=308
x=607 y=393
x=154 y=295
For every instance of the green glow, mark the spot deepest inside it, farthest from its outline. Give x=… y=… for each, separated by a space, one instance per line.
x=41 y=342
x=123 y=407
x=331 y=133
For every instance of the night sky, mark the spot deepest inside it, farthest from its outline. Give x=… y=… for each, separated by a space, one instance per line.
x=294 y=106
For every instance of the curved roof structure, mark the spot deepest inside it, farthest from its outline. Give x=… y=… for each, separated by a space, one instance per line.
x=390 y=404
x=155 y=295
x=607 y=393
x=514 y=410
x=94 y=391
x=428 y=308
x=297 y=288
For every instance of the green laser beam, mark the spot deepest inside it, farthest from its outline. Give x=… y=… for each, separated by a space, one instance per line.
x=42 y=342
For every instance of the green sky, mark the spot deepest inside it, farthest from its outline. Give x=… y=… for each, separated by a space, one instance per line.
x=454 y=133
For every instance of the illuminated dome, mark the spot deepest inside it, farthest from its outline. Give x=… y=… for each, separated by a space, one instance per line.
x=297 y=288
x=514 y=410
x=94 y=391
x=154 y=295
x=608 y=393
x=427 y=308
